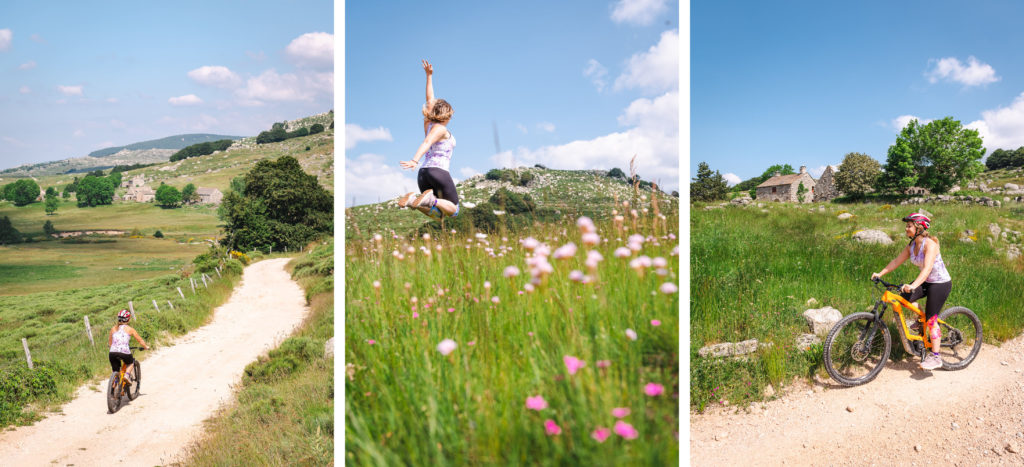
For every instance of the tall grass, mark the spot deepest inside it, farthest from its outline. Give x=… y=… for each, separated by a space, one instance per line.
x=752 y=273
x=285 y=409
x=407 y=403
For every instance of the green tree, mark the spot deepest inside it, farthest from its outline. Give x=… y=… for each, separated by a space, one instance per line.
x=708 y=186
x=935 y=156
x=8 y=234
x=238 y=184
x=25 y=191
x=115 y=178
x=616 y=173
x=316 y=128
x=94 y=191
x=999 y=159
x=48 y=228
x=51 y=191
x=857 y=174
x=189 y=194
x=51 y=204
x=801 y=192
x=8 y=192
x=168 y=196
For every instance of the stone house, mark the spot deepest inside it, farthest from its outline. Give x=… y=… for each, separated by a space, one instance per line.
x=825 y=188
x=136 y=181
x=784 y=188
x=142 y=194
x=209 y=195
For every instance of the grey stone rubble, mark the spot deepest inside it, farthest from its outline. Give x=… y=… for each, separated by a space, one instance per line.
x=963 y=199
x=805 y=341
x=845 y=216
x=821 y=320
x=329 y=349
x=738 y=350
x=873 y=236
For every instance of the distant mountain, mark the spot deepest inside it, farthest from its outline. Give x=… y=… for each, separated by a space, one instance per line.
x=171 y=142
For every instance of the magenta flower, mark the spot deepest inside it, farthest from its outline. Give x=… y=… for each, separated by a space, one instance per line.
x=600 y=434
x=552 y=428
x=655 y=322
x=654 y=389
x=450 y=310
x=415 y=315
x=620 y=412
x=371 y=341
x=626 y=430
x=536 y=403
x=573 y=364
x=604 y=363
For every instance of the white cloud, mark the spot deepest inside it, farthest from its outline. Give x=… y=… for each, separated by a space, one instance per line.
x=27 y=65
x=189 y=99
x=732 y=178
x=1002 y=128
x=638 y=12
x=546 y=126
x=654 y=138
x=217 y=76
x=355 y=134
x=901 y=122
x=522 y=128
x=288 y=87
x=468 y=172
x=70 y=90
x=950 y=69
x=596 y=73
x=315 y=49
x=371 y=177
x=25 y=90
x=656 y=70
x=5 y=39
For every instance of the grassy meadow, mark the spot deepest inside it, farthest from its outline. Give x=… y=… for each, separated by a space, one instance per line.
x=284 y=414
x=753 y=270
x=455 y=356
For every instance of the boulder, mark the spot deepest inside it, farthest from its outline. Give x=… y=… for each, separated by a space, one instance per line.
x=873 y=236
x=845 y=216
x=329 y=349
x=1012 y=252
x=805 y=341
x=994 y=230
x=821 y=320
x=1012 y=186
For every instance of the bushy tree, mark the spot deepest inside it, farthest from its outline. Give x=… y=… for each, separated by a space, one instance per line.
x=94 y=191
x=48 y=228
x=51 y=191
x=201 y=149
x=617 y=173
x=511 y=202
x=316 y=128
x=51 y=204
x=936 y=156
x=115 y=178
x=189 y=194
x=752 y=183
x=25 y=191
x=857 y=174
x=8 y=234
x=1005 y=158
x=708 y=186
x=168 y=196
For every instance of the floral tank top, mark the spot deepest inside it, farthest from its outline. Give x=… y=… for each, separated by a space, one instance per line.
x=939 y=273
x=440 y=153
x=119 y=342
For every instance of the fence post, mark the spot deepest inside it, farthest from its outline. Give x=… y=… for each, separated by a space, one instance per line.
x=154 y=306
x=88 y=330
x=179 y=293
x=203 y=277
x=28 y=356
x=192 y=282
x=131 y=308
x=171 y=305
x=218 y=273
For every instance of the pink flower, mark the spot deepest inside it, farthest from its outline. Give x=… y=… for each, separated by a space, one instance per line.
x=511 y=271
x=536 y=403
x=668 y=288
x=631 y=334
x=655 y=322
x=604 y=363
x=573 y=364
x=585 y=224
x=623 y=252
x=576 y=275
x=600 y=434
x=620 y=412
x=552 y=428
x=654 y=389
x=626 y=430
x=471 y=343
x=376 y=284
x=495 y=299
x=530 y=243
x=659 y=262
x=565 y=251
x=446 y=347
x=371 y=341
x=487 y=285
x=450 y=310
x=415 y=315
x=591 y=239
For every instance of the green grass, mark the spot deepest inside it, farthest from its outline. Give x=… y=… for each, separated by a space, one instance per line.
x=194 y=221
x=752 y=273
x=408 y=404
x=285 y=409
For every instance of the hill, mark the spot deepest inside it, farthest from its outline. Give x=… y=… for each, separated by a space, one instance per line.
x=561 y=192
x=171 y=142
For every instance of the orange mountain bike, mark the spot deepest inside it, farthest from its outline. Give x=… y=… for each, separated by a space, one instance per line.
x=118 y=387
x=858 y=346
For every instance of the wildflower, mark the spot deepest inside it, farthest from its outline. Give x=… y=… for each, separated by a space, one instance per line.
x=414 y=300
x=378 y=238
x=426 y=236
x=495 y=300
x=600 y=434
x=471 y=343
x=552 y=428
x=668 y=288
x=655 y=322
x=371 y=341
x=415 y=315
x=452 y=310
x=536 y=403
x=410 y=250
x=573 y=364
x=626 y=430
x=591 y=239
x=631 y=334
x=446 y=346
x=585 y=224
x=565 y=251
x=576 y=275
x=530 y=243
x=481 y=236
x=620 y=412
x=675 y=251
x=487 y=285
x=408 y=286
x=376 y=285
x=659 y=262
x=604 y=363
x=528 y=287
x=623 y=252
x=511 y=271
x=654 y=389
x=661 y=272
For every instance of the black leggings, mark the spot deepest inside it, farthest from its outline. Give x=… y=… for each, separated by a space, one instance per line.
x=440 y=181
x=935 y=295
x=116 y=358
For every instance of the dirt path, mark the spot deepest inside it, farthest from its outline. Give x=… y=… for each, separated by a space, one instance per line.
x=183 y=384
x=974 y=417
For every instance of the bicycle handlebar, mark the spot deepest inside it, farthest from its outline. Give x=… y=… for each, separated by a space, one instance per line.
x=886 y=284
x=137 y=348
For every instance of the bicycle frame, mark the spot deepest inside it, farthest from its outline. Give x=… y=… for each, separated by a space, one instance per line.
x=898 y=303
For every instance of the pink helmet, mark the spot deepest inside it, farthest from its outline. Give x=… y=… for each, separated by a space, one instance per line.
x=124 y=315
x=919 y=219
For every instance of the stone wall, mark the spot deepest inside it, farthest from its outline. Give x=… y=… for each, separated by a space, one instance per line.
x=825 y=189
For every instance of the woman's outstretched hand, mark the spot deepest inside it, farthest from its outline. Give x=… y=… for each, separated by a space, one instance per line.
x=408 y=164
x=875 y=275
x=427 y=67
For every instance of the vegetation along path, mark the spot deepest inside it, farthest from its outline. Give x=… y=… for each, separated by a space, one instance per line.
x=182 y=384
x=906 y=415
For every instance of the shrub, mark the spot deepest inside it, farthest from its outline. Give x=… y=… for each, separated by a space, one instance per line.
x=158 y=234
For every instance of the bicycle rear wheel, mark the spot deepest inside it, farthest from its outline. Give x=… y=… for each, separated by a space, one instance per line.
x=114 y=393
x=133 y=391
x=961 y=337
x=857 y=349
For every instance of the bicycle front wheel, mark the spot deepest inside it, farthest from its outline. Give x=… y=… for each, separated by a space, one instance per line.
x=133 y=391
x=857 y=349
x=114 y=393
x=961 y=337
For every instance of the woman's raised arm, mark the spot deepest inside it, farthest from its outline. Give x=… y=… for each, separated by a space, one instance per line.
x=429 y=70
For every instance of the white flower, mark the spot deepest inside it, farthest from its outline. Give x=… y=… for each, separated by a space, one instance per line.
x=378 y=238
x=376 y=284
x=659 y=262
x=668 y=288
x=426 y=236
x=446 y=346
x=511 y=271
x=530 y=243
x=623 y=252
x=495 y=299
x=487 y=285
x=631 y=334
x=528 y=287
x=481 y=236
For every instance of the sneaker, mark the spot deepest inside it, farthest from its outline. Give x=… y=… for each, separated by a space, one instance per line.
x=424 y=200
x=931 y=362
x=404 y=200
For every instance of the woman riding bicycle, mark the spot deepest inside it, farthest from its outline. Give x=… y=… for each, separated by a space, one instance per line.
x=933 y=282
x=118 y=340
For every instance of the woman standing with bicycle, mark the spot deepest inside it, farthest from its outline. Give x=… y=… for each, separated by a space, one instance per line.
x=933 y=282
x=120 y=336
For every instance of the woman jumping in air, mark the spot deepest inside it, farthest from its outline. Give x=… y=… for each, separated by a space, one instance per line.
x=438 y=197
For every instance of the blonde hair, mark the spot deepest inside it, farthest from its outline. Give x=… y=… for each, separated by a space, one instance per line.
x=440 y=112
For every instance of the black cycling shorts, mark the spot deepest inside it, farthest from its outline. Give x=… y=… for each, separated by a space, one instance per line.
x=935 y=295
x=440 y=181
x=116 y=358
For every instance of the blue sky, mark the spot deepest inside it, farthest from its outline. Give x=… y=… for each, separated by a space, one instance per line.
x=570 y=85
x=77 y=77
x=806 y=82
